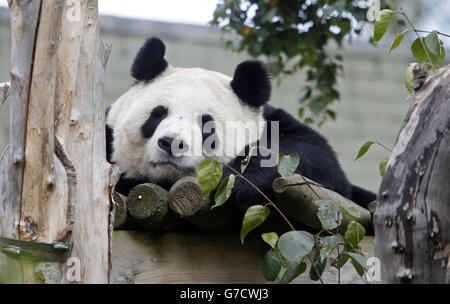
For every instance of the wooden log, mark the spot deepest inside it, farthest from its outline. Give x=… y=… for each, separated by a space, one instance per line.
x=187 y=200
x=148 y=205
x=4 y=93
x=298 y=202
x=412 y=238
x=121 y=218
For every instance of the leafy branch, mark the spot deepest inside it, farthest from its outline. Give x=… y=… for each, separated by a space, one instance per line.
x=285 y=259
x=428 y=50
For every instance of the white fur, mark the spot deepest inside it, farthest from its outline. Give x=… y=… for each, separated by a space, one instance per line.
x=188 y=93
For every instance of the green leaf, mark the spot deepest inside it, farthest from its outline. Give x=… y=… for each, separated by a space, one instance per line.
x=354 y=234
x=398 y=40
x=244 y=163
x=209 y=175
x=433 y=44
x=329 y=214
x=383 y=165
x=340 y=260
x=293 y=271
x=254 y=217
x=421 y=56
x=304 y=94
x=270 y=238
x=317 y=268
x=328 y=244
x=364 y=148
x=351 y=211
x=271 y=265
x=224 y=190
x=382 y=23
x=359 y=262
x=295 y=245
x=410 y=77
x=287 y=164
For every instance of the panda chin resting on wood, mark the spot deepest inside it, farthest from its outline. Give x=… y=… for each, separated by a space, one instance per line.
x=171 y=119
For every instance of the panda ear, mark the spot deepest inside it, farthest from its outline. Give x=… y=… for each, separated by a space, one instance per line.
x=251 y=83
x=149 y=61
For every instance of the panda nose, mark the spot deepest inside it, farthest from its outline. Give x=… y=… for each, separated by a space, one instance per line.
x=165 y=143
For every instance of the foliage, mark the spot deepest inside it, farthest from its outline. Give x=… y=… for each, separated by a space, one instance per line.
x=428 y=50
x=366 y=146
x=288 y=253
x=293 y=35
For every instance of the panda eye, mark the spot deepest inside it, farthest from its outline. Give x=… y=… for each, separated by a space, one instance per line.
x=159 y=111
x=158 y=114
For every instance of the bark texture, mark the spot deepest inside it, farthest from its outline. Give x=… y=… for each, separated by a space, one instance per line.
x=412 y=222
x=56 y=182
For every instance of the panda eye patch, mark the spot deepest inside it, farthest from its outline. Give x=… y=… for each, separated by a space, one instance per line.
x=158 y=114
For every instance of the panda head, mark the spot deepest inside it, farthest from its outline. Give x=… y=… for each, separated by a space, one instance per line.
x=173 y=118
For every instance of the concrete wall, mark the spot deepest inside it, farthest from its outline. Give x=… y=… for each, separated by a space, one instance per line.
x=373 y=96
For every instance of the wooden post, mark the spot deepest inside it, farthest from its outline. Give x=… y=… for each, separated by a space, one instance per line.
x=412 y=223
x=56 y=182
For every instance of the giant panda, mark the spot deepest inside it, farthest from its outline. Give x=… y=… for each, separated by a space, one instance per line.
x=168 y=108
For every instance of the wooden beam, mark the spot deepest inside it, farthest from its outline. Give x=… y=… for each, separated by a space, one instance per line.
x=296 y=198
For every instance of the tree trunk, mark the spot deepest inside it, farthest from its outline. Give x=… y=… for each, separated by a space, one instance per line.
x=412 y=223
x=56 y=182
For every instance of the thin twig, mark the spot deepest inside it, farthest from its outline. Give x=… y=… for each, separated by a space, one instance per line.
x=437 y=32
x=380 y=144
x=402 y=12
x=339 y=268
x=307 y=183
x=315 y=268
x=262 y=193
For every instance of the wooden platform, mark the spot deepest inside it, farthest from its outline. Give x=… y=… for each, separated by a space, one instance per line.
x=155 y=257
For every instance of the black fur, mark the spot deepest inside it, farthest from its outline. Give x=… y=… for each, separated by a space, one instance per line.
x=158 y=114
x=317 y=162
x=149 y=61
x=251 y=83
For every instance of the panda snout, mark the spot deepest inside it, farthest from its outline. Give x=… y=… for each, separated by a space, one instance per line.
x=172 y=146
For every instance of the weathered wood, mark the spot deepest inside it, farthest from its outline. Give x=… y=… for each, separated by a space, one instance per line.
x=148 y=205
x=202 y=257
x=24 y=20
x=44 y=193
x=57 y=137
x=297 y=199
x=121 y=218
x=412 y=235
x=187 y=200
x=4 y=93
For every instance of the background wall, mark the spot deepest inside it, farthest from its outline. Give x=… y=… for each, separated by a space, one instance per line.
x=373 y=96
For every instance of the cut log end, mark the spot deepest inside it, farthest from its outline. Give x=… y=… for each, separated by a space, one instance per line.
x=186 y=198
x=121 y=211
x=148 y=202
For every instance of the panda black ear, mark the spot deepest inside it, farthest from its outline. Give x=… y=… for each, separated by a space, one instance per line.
x=149 y=61
x=251 y=83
